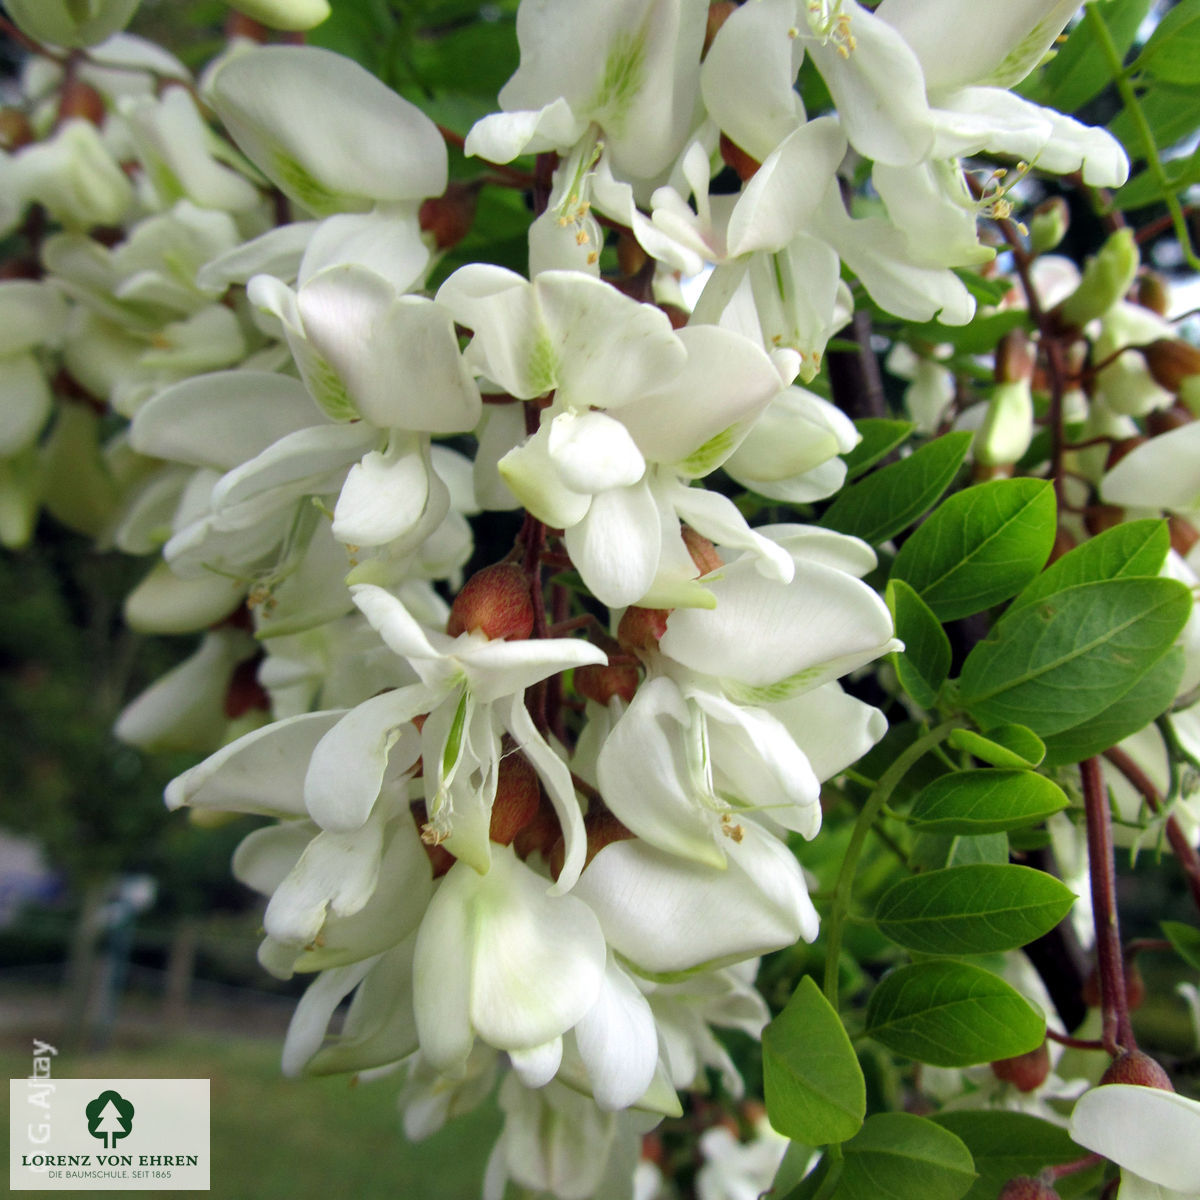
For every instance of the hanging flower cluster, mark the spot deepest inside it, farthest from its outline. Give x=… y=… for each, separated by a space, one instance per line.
x=533 y=818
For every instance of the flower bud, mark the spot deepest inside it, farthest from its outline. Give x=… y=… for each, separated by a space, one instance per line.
x=1137 y=1067
x=1171 y=361
x=1025 y=1187
x=1106 y=279
x=284 y=14
x=79 y=99
x=69 y=23
x=1118 y=450
x=631 y=258
x=603 y=683
x=495 y=601
x=1100 y=517
x=1014 y=358
x=1064 y=542
x=518 y=797
x=718 y=13
x=732 y=155
x=1048 y=225
x=1151 y=292
x=15 y=130
x=1007 y=428
x=449 y=217
x=704 y=553
x=1026 y=1072
x=641 y=629
x=1167 y=420
x=1184 y=535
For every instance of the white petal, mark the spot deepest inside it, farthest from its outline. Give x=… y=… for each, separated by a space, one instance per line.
x=499 y=668
x=593 y=452
x=618 y=1041
x=537 y=1066
x=533 y=477
x=616 y=546
x=26 y=404
x=326 y=131
x=385 y=495
x=500 y=137
x=1162 y=473
x=347 y=766
x=1154 y=1133
x=306 y=1031
x=262 y=772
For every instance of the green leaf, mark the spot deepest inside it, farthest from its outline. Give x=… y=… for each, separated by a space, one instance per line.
x=1004 y=1144
x=986 y=291
x=1005 y=746
x=888 y=500
x=933 y=851
x=879 y=438
x=1125 y=551
x=1149 y=698
x=1172 y=53
x=1144 y=188
x=951 y=1014
x=1185 y=939
x=1065 y=659
x=924 y=662
x=898 y=1156
x=1080 y=69
x=977 y=336
x=815 y=1090
x=972 y=910
x=981 y=546
x=1171 y=110
x=987 y=801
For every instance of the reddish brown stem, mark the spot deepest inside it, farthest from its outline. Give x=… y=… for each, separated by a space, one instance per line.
x=1058 y=1170
x=1064 y=1039
x=1117 y=1030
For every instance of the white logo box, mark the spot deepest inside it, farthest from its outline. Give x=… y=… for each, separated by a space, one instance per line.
x=108 y=1134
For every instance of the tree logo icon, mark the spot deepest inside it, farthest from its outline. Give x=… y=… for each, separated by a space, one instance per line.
x=109 y=1117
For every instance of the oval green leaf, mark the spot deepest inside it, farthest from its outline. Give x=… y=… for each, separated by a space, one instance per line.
x=1065 y=659
x=980 y=547
x=1185 y=939
x=880 y=436
x=1004 y=1144
x=924 y=663
x=976 y=909
x=814 y=1087
x=890 y=499
x=951 y=1014
x=1125 y=551
x=898 y=1156
x=1005 y=746
x=974 y=802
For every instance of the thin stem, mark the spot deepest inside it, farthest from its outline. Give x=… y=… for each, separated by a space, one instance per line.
x=1134 y=108
x=1058 y=1170
x=1117 y=1030
x=866 y=818
x=1064 y=1039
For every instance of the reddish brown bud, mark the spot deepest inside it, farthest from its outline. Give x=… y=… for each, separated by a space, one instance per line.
x=1183 y=535
x=518 y=796
x=631 y=258
x=1099 y=517
x=539 y=835
x=603 y=683
x=1167 y=420
x=1014 y=358
x=678 y=317
x=496 y=601
x=1025 y=1187
x=732 y=155
x=237 y=25
x=1150 y=291
x=15 y=130
x=1171 y=361
x=1118 y=450
x=642 y=628
x=1136 y=1067
x=704 y=553
x=1064 y=542
x=80 y=99
x=449 y=217
x=1026 y=1072
x=718 y=13
x=245 y=693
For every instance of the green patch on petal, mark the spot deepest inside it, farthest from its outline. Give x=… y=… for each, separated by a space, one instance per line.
x=543 y=365
x=714 y=452
x=328 y=390
x=622 y=80
x=166 y=182
x=1020 y=60
x=301 y=185
x=773 y=693
x=454 y=740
